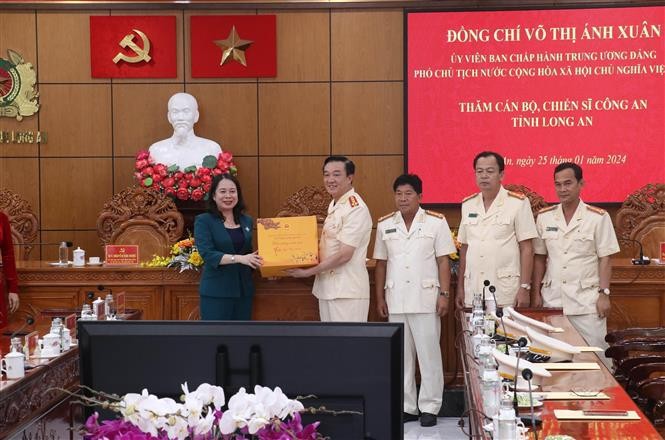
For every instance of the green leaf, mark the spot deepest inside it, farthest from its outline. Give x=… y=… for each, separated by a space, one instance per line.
x=210 y=161
x=233 y=170
x=190 y=169
x=147 y=181
x=172 y=169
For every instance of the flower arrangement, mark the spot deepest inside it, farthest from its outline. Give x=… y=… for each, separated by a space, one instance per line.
x=183 y=255
x=265 y=415
x=192 y=183
x=455 y=255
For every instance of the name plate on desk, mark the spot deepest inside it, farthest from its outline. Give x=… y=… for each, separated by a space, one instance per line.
x=287 y=243
x=121 y=255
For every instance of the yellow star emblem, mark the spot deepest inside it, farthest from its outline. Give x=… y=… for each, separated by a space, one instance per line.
x=233 y=46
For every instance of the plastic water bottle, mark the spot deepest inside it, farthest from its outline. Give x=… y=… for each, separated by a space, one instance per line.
x=109 y=307
x=63 y=253
x=506 y=428
x=490 y=387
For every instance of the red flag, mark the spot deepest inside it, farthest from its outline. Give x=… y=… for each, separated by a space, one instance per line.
x=133 y=46
x=234 y=46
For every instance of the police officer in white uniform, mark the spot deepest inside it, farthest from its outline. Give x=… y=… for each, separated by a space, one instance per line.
x=412 y=284
x=496 y=232
x=573 y=258
x=342 y=282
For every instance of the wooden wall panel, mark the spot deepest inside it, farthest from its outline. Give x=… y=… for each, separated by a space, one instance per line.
x=21 y=176
x=123 y=173
x=303 y=46
x=86 y=240
x=139 y=116
x=367 y=118
x=294 y=119
x=248 y=176
x=228 y=115
x=374 y=182
x=18 y=33
x=73 y=191
x=367 y=45
x=78 y=119
x=279 y=177
x=63 y=41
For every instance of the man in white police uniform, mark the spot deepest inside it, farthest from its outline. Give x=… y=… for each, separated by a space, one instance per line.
x=573 y=249
x=496 y=232
x=412 y=284
x=342 y=282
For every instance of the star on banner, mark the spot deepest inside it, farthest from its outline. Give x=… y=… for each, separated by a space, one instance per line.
x=233 y=45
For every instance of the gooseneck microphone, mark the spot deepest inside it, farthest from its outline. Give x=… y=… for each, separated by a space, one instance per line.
x=499 y=314
x=521 y=343
x=527 y=374
x=486 y=283
x=642 y=260
x=29 y=320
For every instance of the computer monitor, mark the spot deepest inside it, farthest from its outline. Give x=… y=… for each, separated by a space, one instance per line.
x=348 y=366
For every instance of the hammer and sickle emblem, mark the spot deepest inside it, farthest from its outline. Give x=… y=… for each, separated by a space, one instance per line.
x=128 y=42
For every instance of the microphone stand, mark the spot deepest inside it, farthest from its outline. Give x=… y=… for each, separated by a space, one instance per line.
x=29 y=320
x=521 y=342
x=527 y=374
x=499 y=314
x=485 y=284
x=642 y=261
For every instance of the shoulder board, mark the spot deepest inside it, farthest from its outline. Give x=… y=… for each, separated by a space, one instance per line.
x=353 y=201
x=547 y=209
x=435 y=214
x=387 y=216
x=516 y=195
x=469 y=197
x=596 y=210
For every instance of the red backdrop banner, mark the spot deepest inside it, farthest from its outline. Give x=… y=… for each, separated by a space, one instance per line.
x=141 y=46
x=540 y=87
x=210 y=35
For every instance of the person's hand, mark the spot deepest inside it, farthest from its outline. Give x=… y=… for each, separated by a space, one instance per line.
x=253 y=260
x=522 y=298
x=382 y=308
x=299 y=273
x=603 y=305
x=537 y=300
x=459 y=300
x=442 y=306
x=13 y=302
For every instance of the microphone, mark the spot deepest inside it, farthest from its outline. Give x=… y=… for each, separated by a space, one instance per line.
x=527 y=374
x=485 y=284
x=521 y=342
x=499 y=314
x=29 y=320
x=642 y=261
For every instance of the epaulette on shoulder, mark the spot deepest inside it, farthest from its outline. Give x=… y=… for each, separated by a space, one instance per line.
x=595 y=209
x=469 y=197
x=386 y=217
x=547 y=209
x=435 y=214
x=517 y=195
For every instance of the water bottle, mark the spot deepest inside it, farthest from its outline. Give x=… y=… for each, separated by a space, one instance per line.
x=86 y=313
x=490 y=387
x=63 y=253
x=484 y=351
x=476 y=337
x=97 y=308
x=505 y=425
x=109 y=307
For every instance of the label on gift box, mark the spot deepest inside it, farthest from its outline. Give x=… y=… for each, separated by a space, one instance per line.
x=121 y=255
x=287 y=243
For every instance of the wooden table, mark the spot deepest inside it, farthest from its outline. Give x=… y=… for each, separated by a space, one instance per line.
x=596 y=380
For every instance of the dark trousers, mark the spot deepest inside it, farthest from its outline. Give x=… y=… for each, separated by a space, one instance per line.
x=226 y=309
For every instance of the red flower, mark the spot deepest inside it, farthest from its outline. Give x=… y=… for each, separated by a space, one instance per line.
x=156 y=178
x=147 y=171
x=204 y=171
x=217 y=171
x=206 y=187
x=182 y=194
x=195 y=182
x=197 y=194
x=178 y=175
x=140 y=164
x=138 y=176
x=206 y=179
x=143 y=155
x=168 y=182
x=226 y=156
x=169 y=192
x=224 y=168
x=160 y=169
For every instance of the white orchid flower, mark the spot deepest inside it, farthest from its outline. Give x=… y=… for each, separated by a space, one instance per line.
x=176 y=427
x=256 y=423
x=211 y=394
x=204 y=425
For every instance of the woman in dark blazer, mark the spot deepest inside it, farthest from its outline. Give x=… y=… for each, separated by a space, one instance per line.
x=223 y=236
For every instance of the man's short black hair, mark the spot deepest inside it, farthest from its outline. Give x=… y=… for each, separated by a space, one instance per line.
x=409 y=179
x=569 y=165
x=349 y=166
x=497 y=156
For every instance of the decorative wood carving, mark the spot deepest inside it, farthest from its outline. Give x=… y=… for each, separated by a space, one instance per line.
x=137 y=215
x=537 y=201
x=310 y=200
x=22 y=219
x=642 y=218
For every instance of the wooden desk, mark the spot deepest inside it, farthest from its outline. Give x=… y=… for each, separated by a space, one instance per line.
x=596 y=380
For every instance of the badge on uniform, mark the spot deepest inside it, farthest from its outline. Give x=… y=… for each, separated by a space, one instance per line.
x=473 y=214
x=552 y=228
x=390 y=231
